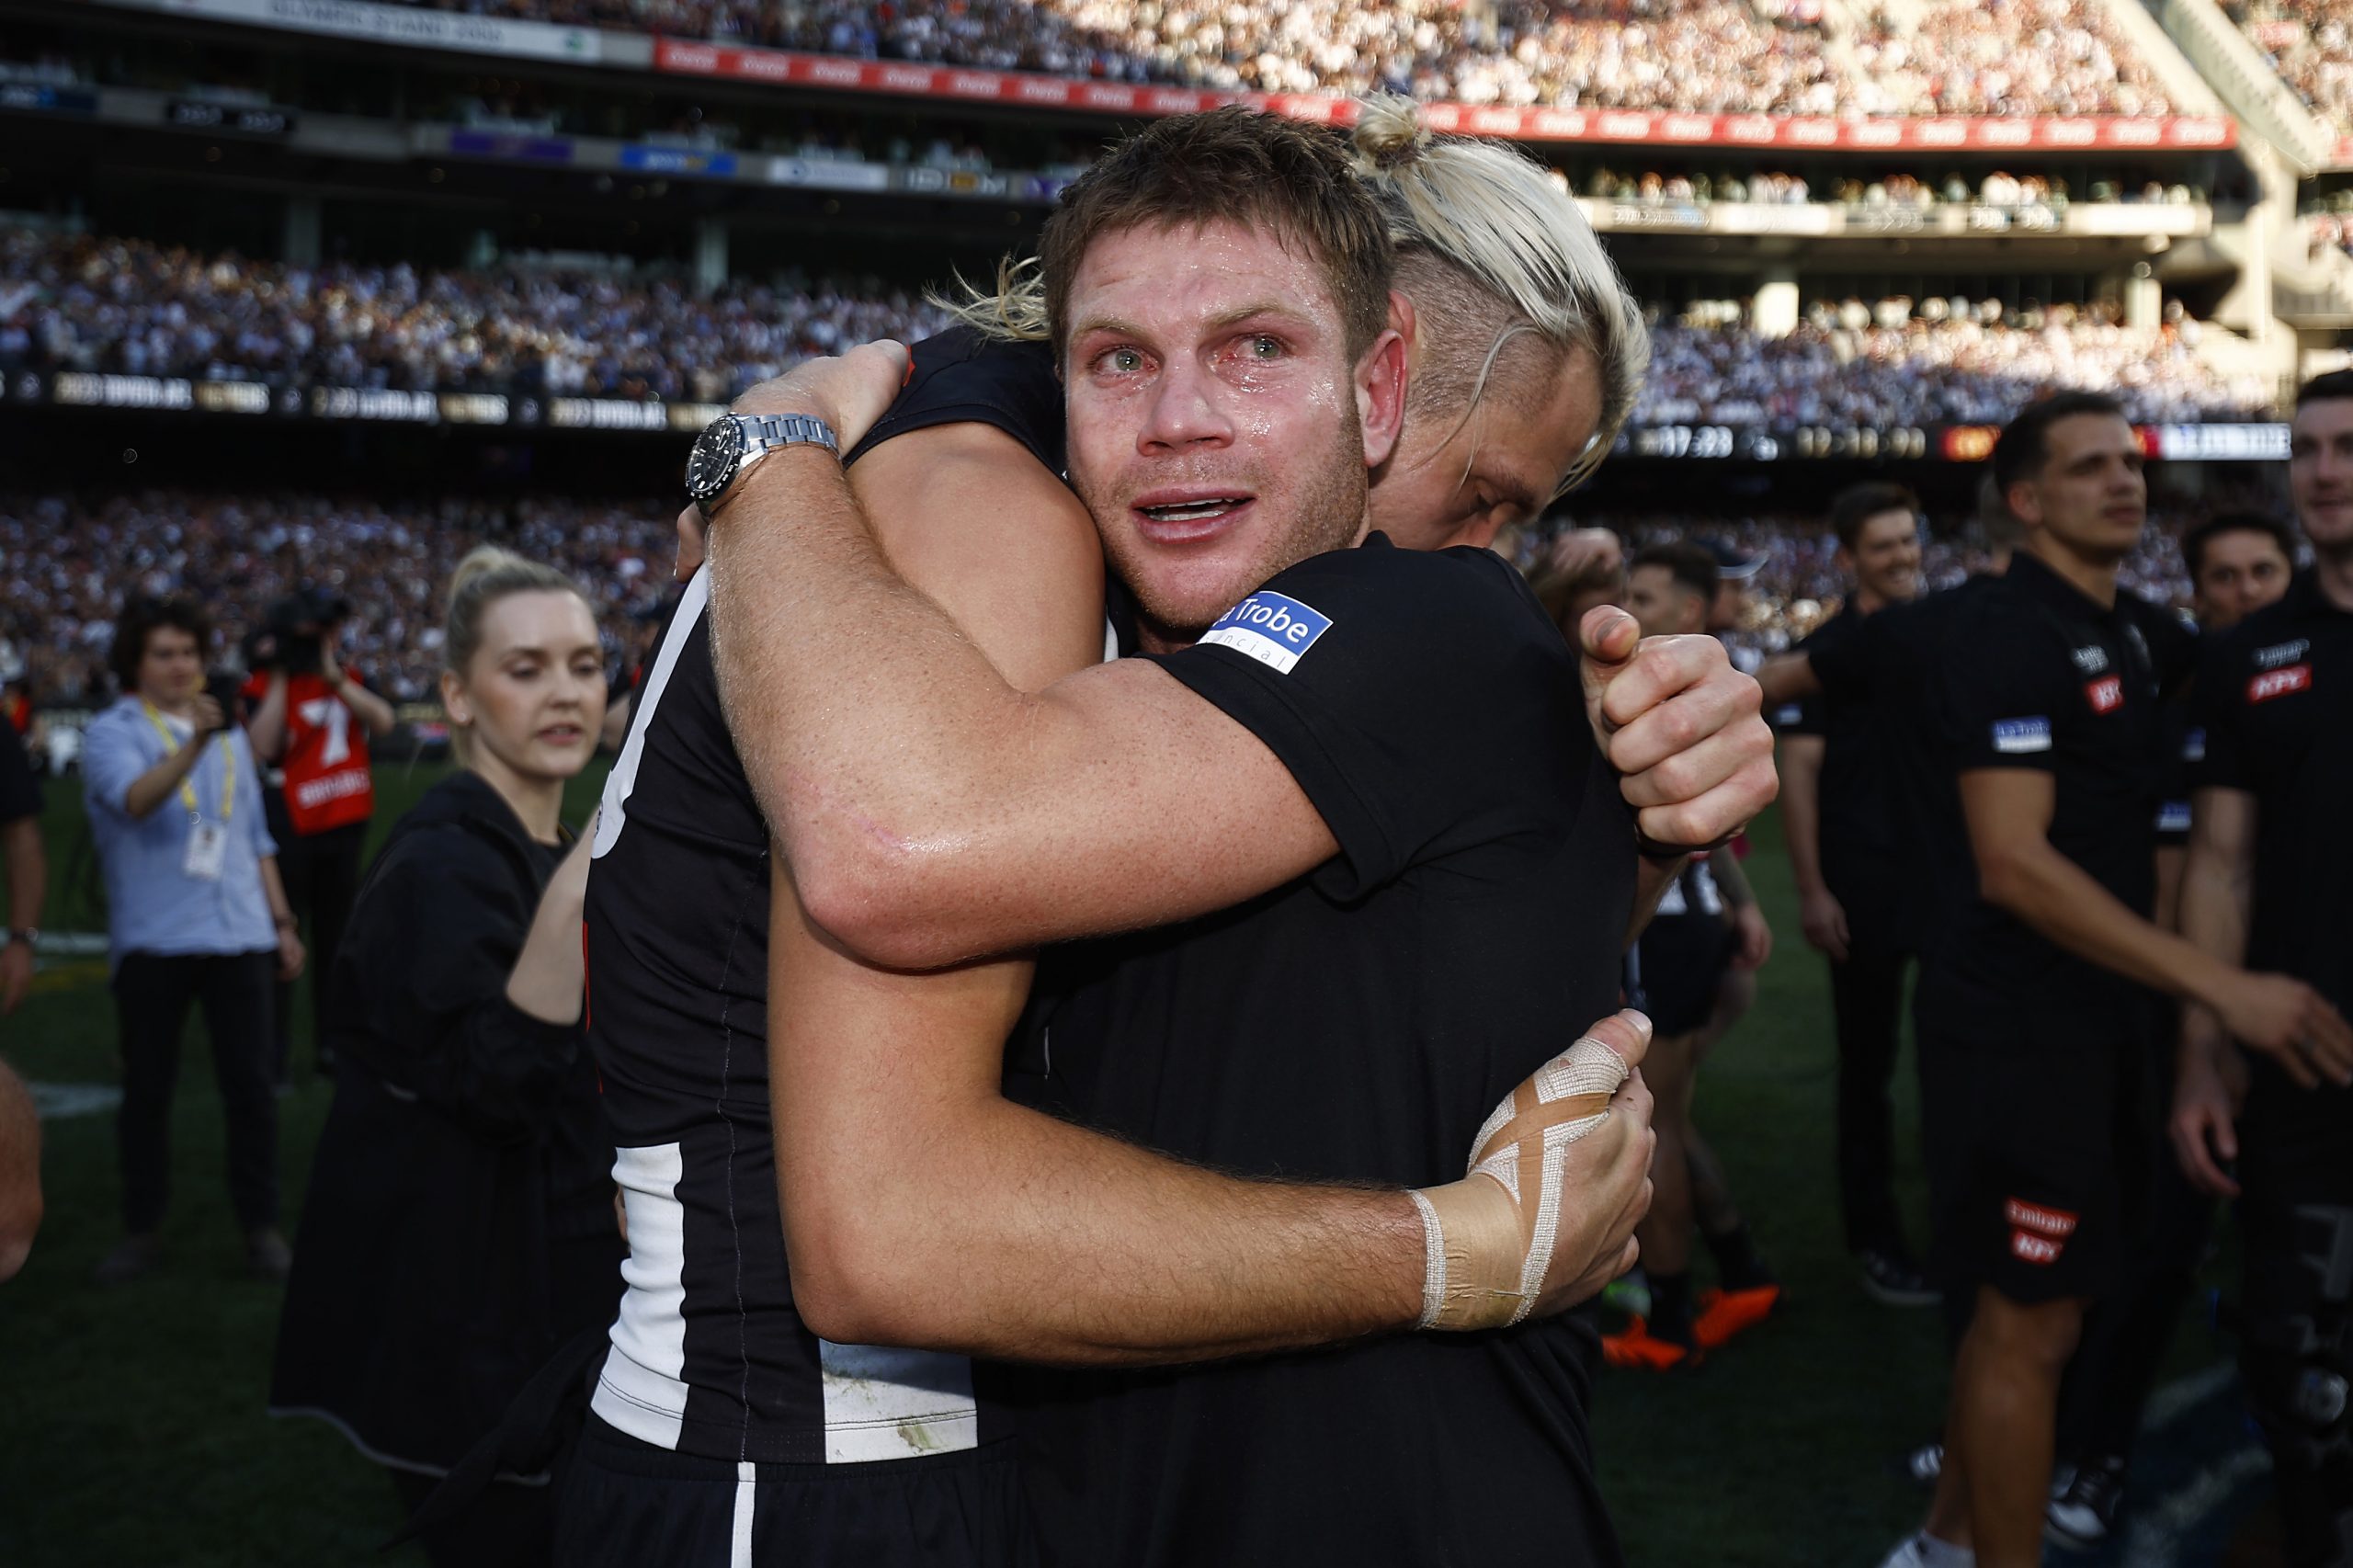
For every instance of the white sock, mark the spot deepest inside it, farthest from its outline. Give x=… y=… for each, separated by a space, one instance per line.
x=1935 y=1553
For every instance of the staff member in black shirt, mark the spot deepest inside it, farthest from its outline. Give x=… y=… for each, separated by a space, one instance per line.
x=459 y=1225
x=1858 y=898
x=2238 y=562
x=2269 y=860
x=2035 y=1010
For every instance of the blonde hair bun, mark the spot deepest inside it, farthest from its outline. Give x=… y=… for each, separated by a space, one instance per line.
x=1389 y=132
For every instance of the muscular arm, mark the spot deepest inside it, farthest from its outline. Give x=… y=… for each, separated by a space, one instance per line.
x=922 y=1208
x=2217 y=895
x=2009 y=814
x=930 y=812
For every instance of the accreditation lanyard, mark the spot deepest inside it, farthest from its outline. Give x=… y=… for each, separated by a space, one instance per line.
x=187 y=784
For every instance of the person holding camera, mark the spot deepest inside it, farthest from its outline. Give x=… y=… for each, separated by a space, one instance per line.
x=310 y=722
x=196 y=913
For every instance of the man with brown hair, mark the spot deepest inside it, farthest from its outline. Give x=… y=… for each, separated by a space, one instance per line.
x=1379 y=764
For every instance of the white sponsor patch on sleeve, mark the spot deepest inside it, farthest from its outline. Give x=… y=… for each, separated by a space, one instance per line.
x=1273 y=629
x=2014 y=737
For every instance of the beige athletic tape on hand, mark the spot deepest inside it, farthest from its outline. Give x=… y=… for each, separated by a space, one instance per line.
x=1490 y=1234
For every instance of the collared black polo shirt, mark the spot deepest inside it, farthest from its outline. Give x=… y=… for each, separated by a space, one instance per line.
x=2275 y=704
x=1355 y=1025
x=2041 y=677
x=1872 y=864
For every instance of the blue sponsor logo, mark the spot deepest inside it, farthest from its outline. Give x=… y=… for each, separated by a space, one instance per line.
x=1273 y=629
x=2014 y=736
x=2174 y=817
x=2193 y=746
x=676 y=161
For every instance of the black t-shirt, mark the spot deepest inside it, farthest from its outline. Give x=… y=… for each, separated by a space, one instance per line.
x=1357 y=1025
x=709 y=1356
x=2042 y=677
x=2275 y=702
x=1868 y=859
x=19 y=790
x=1890 y=667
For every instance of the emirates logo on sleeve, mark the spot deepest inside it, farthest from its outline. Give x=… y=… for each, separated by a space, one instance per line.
x=2280 y=683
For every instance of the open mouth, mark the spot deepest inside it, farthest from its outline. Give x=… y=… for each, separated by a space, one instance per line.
x=1198 y=511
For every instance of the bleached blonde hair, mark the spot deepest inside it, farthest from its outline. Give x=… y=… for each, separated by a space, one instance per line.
x=1493 y=253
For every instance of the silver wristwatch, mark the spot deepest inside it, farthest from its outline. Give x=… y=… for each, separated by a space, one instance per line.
x=734 y=442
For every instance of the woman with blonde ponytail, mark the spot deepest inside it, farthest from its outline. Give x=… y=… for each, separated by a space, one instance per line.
x=459 y=1225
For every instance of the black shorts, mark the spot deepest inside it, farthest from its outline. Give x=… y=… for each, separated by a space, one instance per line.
x=2039 y=1161
x=623 y=1504
x=1678 y=966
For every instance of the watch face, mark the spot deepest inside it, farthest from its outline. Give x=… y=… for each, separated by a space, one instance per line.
x=713 y=462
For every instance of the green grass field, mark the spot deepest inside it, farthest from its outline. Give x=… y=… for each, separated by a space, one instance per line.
x=131 y=1430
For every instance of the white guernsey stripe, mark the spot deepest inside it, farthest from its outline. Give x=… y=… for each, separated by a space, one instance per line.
x=619 y=784
x=884 y=1403
x=640 y=1391
x=739 y=1545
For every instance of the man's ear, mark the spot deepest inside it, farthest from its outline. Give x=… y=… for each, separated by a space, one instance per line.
x=1381 y=378
x=2024 y=503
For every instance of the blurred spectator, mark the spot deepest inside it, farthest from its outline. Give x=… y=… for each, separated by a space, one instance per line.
x=2309 y=43
x=2005 y=57
x=195 y=913
x=459 y=1225
x=310 y=722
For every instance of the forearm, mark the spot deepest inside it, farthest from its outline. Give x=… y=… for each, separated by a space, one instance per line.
x=20 y=1195
x=1801 y=811
x=1787 y=677
x=1651 y=879
x=266 y=731
x=373 y=711
x=1731 y=880
x=2061 y=901
x=923 y=1209
x=161 y=782
x=549 y=973
x=28 y=873
x=2216 y=896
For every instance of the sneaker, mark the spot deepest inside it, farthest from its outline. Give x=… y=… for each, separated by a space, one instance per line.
x=131 y=1256
x=1723 y=1313
x=1916 y=1550
x=1905 y=1555
x=1892 y=1281
x=1630 y=1293
x=1639 y=1349
x=2082 y=1515
x=1925 y=1463
x=266 y=1255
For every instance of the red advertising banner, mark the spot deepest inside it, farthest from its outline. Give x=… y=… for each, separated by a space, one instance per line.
x=1796 y=131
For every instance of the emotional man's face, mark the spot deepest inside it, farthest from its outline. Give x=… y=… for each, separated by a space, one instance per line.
x=1220 y=431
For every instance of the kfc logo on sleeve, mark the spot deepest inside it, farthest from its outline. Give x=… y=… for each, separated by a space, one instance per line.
x=2105 y=694
x=2037 y=1234
x=2280 y=683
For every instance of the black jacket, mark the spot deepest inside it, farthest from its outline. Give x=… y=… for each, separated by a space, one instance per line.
x=459 y=1225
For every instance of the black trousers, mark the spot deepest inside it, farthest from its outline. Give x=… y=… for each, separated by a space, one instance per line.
x=322 y=877
x=2126 y=1336
x=151 y=993
x=1867 y=1001
x=2296 y=1220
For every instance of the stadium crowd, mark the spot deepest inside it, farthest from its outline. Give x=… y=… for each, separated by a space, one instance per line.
x=2309 y=43
x=69 y=562
x=1901 y=361
x=69 y=566
x=2019 y=57
x=133 y=307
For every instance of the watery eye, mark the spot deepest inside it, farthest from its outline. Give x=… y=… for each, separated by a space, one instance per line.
x=1265 y=347
x=1122 y=360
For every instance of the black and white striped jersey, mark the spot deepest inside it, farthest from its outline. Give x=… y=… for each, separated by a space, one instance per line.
x=709 y=1357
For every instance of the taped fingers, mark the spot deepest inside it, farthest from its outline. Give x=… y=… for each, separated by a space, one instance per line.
x=1491 y=1237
